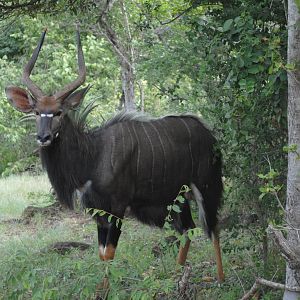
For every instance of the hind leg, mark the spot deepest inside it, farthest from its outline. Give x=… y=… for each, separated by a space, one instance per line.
x=208 y=209
x=212 y=224
x=216 y=243
x=184 y=223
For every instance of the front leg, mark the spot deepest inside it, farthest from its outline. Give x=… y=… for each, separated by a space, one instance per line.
x=108 y=237
x=102 y=237
x=113 y=235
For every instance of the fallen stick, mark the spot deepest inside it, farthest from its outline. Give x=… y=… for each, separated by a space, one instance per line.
x=260 y=281
x=184 y=281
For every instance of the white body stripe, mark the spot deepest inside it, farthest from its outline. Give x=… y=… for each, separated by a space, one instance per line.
x=163 y=149
x=153 y=154
x=190 y=144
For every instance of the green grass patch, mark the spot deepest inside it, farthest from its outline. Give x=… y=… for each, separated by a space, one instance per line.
x=138 y=272
x=15 y=193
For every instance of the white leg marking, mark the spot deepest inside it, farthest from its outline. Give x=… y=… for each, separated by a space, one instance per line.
x=199 y=199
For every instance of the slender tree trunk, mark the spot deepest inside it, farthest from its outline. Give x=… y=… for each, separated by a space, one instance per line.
x=127 y=67
x=293 y=178
x=128 y=85
x=142 y=95
x=123 y=50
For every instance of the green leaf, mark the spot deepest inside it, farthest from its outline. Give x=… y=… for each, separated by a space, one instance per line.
x=168 y=218
x=87 y=210
x=102 y=212
x=291 y=67
x=290 y=148
x=263 y=189
x=176 y=208
x=242 y=83
x=227 y=25
x=261 y=176
x=180 y=199
x=193 y=233
x=254 y=69
x=95 y=212
x=298 y=5
x=240 y=62
x=261 y=196
x=184 y=189
x=167 y=225
x=190 y=234
x=182 y=240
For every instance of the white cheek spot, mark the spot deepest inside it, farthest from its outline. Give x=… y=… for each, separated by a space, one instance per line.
x=57 y=134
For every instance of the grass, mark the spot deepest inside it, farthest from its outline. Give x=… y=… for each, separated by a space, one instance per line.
x=15 y=191
x=30 y=272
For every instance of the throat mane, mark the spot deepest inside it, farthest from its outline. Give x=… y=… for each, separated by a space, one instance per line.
x=67 y=160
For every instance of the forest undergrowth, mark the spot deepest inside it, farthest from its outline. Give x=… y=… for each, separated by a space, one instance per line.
x=144 y=267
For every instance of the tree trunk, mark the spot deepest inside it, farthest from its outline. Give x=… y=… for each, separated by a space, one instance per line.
x=127 y=66
x=293 y=178
x=142 y=96
x=123 y=50
x=127 y=74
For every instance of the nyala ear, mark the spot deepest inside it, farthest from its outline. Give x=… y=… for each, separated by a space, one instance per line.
x=19 y=98
x=76 y=98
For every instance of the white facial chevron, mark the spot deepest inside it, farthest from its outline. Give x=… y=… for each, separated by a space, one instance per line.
x=46 y=115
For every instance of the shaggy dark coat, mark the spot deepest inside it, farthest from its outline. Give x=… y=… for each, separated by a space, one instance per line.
x=138 y=163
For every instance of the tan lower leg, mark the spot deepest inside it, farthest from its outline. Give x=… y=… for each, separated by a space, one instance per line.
x=109 y=252
x=216 y=243
x=183 y=251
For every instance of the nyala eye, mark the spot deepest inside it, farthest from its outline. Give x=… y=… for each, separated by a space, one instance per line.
x=37 y=113
x=58 y=113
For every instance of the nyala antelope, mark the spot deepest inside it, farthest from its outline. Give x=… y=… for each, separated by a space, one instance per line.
x=129 y=162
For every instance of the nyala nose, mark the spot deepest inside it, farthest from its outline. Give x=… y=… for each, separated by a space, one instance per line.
x=43 y=138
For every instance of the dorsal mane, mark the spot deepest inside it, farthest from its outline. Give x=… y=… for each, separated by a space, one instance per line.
x=124 y=116
x=188 y=116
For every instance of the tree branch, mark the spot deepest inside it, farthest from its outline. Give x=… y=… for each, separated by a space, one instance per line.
x=16 y=8
x=106 y=9
x=194 y=5
x=274 y=285
x=178 y=16
x=184 y=281
x=110 y=34
x=126 y=59
x=251 y=292
x=106 y=30
x=288 y=252
x=18 y=5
